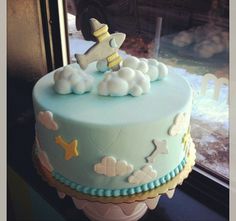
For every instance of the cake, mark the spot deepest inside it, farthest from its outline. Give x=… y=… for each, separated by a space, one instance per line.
x=116 y=134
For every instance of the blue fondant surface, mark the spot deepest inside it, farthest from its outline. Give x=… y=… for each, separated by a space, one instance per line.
x=122 y=127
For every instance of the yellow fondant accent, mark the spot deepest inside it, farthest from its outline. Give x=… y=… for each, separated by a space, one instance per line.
x=70 y=148
x=103 y=37
x=114 y=62
x=100 y=31
x=112 y=57
x=186 y=137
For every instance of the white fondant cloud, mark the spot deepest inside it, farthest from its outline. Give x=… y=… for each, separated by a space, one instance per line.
x=43 y=157
x=109 y=166
x=180 y=123
x=123 y=82
x=46 y=119
x=151 y=67
x=72 y=80
x=146 y=174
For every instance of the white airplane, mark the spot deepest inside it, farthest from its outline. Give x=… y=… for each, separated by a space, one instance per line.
x=106 y=47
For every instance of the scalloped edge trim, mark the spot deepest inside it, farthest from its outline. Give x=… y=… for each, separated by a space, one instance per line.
x=119 y=192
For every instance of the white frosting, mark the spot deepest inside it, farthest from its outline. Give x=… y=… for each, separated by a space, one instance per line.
x=146 y=174
x=123 y=82
x=109 y=166
x=72 y=80
x=151 y=67
x=46 y=119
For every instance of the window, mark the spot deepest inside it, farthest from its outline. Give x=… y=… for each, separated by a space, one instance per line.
x=192 y=37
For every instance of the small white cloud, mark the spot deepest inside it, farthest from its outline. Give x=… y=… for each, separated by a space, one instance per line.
x=43 y=157
x=180 y=123
x=146 y=174
x=136 y=64
x=46 y=119
x=109 y=166
x=123 y=82
x=72 y=80
x=151 y=67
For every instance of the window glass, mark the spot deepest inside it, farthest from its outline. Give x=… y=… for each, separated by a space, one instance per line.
x=192 y=38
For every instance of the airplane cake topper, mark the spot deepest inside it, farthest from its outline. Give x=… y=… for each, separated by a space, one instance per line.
x=106 y=47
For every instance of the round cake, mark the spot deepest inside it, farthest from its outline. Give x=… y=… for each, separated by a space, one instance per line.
x=113 y=146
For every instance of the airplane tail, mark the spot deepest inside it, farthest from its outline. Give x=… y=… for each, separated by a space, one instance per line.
x=81 y=60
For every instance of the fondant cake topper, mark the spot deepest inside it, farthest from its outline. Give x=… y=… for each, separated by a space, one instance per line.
x=106 y=47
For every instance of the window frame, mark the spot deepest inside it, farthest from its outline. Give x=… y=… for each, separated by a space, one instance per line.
x=52 y=33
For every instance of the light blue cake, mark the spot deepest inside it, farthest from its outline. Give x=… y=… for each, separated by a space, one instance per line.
x=113 y=145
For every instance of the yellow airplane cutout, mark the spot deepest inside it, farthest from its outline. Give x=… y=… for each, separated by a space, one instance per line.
x=70 y=148
x=106 y=47
x=186 y=137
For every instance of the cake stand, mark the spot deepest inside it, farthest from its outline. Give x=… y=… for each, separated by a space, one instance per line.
x=122 y=208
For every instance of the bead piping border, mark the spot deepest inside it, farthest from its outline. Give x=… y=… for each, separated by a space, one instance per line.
x=119 y=192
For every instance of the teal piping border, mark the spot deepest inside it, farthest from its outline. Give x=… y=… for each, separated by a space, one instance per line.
x=119 y=192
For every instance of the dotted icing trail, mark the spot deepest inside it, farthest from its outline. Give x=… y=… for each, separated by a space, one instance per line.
x=120 y=192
